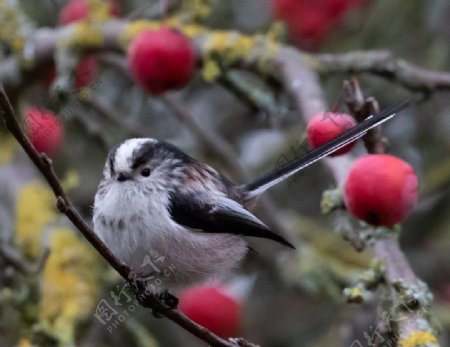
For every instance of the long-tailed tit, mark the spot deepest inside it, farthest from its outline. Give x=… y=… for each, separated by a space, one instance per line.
x=155 y=199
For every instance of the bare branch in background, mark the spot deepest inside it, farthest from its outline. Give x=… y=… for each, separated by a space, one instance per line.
x=384 y=64
x=15 y=259
x=206 y=137
x=380 y=63
x=254 y=97
x=109 y=114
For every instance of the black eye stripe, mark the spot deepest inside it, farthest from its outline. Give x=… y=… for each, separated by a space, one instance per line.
x=111 y=166
x=143 y=154
x=111 y=158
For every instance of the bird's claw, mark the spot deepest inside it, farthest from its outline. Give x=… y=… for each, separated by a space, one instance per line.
x=170 y=300
x=156 y=314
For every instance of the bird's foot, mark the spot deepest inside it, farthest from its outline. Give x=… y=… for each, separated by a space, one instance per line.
x=144 y=297
x=170 y=300
x=156 y=314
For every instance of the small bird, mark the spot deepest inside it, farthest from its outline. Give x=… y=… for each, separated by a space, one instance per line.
x=176 y=221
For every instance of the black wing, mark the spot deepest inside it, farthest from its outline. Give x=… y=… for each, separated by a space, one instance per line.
x=197 y=210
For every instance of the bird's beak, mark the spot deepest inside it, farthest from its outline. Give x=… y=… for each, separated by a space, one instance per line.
x=121 y=177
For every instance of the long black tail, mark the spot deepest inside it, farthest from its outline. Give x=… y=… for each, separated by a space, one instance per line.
x=272 y=178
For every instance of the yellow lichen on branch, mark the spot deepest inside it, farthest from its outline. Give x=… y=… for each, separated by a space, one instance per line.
x=85 y=36
x=24 y=343
x=134 y=28
x=10 y=30
x=197 y=9
x=35 y=211
x=229 y=48
x=99 y=10
x=419 y=339
x=70 y=285
x=8 y=146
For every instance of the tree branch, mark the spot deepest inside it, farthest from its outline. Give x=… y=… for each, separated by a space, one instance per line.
x=384 y=64
x=111 y=115
x=115 y=33
x=303 y=84
x=65 y=205
x=14 y=258
x=208 y=137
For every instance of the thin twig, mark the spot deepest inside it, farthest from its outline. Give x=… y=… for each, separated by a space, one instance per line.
x=65 y=205
x=254 y=97
x=14 y=258
x=157 y=10
x=208 y=137
x=361 y=108
x=112 y=116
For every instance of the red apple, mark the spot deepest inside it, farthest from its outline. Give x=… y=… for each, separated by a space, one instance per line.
x=44 y=130
x=161 y=60
x=77 y=10
x=212 y=308
x=325 y=126
x=381 y=189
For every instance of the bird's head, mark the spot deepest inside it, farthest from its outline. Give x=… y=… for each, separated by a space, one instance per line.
x=146 y=161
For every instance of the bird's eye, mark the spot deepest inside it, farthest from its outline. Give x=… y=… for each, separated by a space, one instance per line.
x=145 y=172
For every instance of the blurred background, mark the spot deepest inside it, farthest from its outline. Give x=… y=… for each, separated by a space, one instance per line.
x=279 y=297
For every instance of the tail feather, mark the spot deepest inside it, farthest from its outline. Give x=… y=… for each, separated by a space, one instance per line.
x=272 y=178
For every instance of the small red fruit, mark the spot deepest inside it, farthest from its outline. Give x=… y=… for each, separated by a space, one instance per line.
x=43 y=129
x=161 y=60
x=210 y=307
x=77 y=10
x=48 y=74
x=85 y=71
x=381 y=189
x=309 y=22
x=325 y=126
